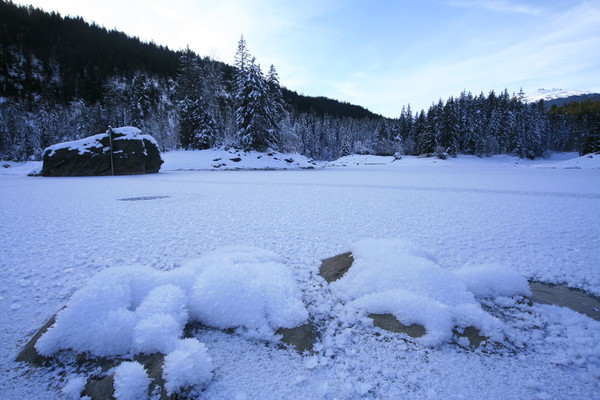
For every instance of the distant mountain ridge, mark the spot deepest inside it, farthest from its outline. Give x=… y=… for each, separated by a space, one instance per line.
x=559 y=97
x=551 y=94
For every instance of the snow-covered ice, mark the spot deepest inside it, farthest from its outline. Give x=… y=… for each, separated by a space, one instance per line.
x=467 y=214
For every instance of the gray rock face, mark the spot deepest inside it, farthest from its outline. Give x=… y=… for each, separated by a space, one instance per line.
x=100 y=389
x=302 y=338
x=391 y=324
x=473 y=335
x=335 y=267
x=131 y=153
x=574 y=299
x=29 y=354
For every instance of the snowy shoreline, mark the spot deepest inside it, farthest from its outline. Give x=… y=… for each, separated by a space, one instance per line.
x=232 y=160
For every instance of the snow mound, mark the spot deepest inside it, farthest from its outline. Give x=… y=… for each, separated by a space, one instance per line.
x=392 y=276
x=74 y=387
x=492 y=281
x=131 y=381
x=241 y=287
x=187 y=365
x=231 y=159
x=140 y=310
x=360 y=160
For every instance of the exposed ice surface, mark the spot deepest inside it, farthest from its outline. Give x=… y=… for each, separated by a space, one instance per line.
x=58 y=233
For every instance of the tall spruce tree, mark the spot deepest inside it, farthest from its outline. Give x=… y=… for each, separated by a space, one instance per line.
x=254 y=118
x=197 y=128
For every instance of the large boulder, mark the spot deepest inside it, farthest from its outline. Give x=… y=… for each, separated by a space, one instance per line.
x=131 y=152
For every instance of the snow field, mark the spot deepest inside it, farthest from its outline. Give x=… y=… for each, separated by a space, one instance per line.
x=539 y=222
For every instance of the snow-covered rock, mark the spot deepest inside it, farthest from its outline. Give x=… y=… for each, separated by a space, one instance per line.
x=140 y=310
x=390 y=276
x=131 y=153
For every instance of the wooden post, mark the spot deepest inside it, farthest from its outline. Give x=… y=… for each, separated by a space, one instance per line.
x=112 y=164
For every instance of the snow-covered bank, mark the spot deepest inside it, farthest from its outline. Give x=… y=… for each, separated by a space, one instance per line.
x=58 y=233
x=224 y=160
x=552 y=160
x=216 y=159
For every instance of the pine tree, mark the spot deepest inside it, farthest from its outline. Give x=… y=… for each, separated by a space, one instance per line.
x=450 y=128
x=256 y=127
x=196 y=124
x=346 y=148
x=257 y=104
x=141 y=101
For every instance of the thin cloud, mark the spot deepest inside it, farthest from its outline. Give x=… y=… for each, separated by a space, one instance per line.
x=501 y=6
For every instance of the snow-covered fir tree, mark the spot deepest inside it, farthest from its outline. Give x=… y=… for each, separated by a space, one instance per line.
x=256 y=126
x=197 y=126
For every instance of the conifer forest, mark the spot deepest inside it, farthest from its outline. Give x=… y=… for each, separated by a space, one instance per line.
x=62 y=79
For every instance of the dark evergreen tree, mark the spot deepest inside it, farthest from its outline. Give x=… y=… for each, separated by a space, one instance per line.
x=449 y=139
x=384 y=145
x=197 y=126
x=256 y=127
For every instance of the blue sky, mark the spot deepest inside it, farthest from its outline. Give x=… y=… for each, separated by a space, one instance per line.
x=378 y=54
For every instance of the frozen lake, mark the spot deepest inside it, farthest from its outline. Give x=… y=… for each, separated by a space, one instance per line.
x=58 y=232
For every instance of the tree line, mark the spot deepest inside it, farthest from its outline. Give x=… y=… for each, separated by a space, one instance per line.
x=63 y=79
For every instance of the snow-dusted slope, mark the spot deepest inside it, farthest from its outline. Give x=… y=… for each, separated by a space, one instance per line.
x=551 y=94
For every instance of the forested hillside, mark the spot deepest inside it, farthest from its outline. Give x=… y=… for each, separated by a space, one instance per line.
x=63 y=79
x=584 y=120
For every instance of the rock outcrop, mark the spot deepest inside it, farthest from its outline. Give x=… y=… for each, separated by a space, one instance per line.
x=119 y=151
